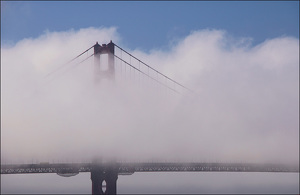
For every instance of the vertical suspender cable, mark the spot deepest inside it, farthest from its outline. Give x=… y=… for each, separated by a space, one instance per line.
x=149 y=67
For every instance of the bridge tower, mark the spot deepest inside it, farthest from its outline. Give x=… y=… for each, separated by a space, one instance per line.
x=104 y=69
x=104 y=179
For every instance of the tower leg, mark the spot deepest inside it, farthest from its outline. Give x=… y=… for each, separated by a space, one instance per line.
x=110 y=177
x=97 y=70
x=97 y=178
x=111 y=182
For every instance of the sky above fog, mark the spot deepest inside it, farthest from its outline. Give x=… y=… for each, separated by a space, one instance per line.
x=151 y=25
x=243 y=68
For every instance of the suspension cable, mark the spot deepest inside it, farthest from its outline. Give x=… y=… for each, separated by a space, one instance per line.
x=51 y=79
x=68 y=62
x=146 y=74
x=138 y=69
x=73 y=66
x=79 y=62
x=155 y=69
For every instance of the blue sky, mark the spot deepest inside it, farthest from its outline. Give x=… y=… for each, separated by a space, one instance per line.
x=148 y=25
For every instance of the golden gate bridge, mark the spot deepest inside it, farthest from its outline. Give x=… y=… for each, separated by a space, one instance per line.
x=104 y=175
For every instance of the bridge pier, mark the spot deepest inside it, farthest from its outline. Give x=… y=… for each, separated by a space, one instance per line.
x=104 y=181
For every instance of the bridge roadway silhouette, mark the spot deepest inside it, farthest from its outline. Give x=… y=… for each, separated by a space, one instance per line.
x=104 y=175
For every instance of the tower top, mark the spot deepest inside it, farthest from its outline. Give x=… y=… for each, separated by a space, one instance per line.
x=104 y=48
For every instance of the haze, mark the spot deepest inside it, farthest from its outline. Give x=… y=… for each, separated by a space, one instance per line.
x=246 y=107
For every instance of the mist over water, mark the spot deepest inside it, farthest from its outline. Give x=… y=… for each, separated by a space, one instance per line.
x=246 y=106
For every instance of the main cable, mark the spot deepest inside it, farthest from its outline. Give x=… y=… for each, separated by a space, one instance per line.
x=146 y=74
x=46 y=82
x=77 y=64
x=68 y=62
x=155 y=69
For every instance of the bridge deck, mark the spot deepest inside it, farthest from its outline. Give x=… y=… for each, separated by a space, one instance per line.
x=129 y=168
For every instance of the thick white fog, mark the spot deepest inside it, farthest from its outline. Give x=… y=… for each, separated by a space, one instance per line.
x=245 y=107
